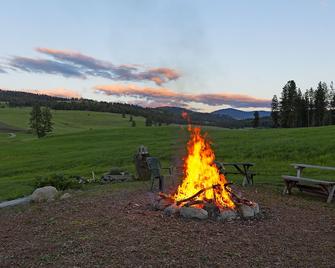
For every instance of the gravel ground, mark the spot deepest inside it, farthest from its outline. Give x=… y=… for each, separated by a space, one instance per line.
x=117 y=228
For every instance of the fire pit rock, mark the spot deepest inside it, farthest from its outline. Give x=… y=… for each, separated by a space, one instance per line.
x=193 y=213
x=248 y=211
x=171 y=210
x=227 y=215
x=161 y=204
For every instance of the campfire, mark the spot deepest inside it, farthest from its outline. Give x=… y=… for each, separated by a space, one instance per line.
x=204 y=191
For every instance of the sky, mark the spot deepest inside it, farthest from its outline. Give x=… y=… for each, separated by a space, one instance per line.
x=198 y=54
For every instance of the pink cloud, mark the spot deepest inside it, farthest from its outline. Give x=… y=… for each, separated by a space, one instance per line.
x=165 y=96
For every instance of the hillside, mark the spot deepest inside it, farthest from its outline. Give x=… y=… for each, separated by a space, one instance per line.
x=165 y=115
x=85 y=141
x=239 y=114
x=66 y=121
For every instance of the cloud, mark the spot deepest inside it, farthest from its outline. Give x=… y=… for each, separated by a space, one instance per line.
x=74 y=64
x=56 y=92
x=45 y=66
x=165 y=96
x=2 y=71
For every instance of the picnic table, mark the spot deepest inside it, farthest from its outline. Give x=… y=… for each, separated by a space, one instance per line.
x=242 y=168
x=323 y=187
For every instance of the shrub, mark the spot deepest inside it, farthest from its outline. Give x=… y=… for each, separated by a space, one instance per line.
x=59 y=181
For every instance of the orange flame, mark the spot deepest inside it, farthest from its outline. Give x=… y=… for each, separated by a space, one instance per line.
x=200 y=173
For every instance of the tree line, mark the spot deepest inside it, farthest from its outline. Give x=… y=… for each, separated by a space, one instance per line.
x=314 y=107
x=154 y=116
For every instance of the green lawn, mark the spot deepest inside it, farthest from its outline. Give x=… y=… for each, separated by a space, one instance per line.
x=86 y=141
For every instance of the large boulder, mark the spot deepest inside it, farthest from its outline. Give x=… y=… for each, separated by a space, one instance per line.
x=44 y=194
x=193 y=213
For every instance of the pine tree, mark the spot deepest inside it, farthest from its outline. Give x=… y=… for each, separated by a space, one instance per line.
x=287 y=105
x=309 y=99
x=320 y=101
x=255 y=123
x=301 y=110
x=275 y=111
x=36 y=121
x=332 y=104
x=133 y=123
x=130 y=118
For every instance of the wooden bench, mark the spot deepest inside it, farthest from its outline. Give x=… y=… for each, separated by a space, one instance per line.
x=323 y=187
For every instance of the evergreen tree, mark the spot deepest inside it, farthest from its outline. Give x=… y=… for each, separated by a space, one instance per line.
x=301 y=110
x=36 y=121
x=133 y=123
x=332 y=104
x=123 y=115
x=130 y=118
x=320 y=102
x=255 y=123
x=275 y=111
x=309 y=99
x=287 y=105
x=46 y=120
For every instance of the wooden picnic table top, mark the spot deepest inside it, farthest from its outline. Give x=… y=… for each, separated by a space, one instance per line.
x=312 y=166
x=238 y=164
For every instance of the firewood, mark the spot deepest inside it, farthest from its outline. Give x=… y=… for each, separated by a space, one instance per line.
x=195 y=195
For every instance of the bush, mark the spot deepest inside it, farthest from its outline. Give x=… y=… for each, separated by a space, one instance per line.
x=59 y=181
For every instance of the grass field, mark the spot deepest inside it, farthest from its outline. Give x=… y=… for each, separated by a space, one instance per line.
x=87 y=141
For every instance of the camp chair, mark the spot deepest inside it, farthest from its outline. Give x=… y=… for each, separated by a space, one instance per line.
x=155 y=168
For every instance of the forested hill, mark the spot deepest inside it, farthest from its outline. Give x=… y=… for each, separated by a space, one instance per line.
x=156 y=115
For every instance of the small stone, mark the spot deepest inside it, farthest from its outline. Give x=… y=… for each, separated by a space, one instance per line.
x=47 y=193
x=227 y=214
x=65 y=196
x=246 y=211
x=162 y=204
x=193 y=213
x=171 y=210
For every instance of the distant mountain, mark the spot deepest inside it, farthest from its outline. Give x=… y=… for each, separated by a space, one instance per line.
x=179 y=110
x=240 y=115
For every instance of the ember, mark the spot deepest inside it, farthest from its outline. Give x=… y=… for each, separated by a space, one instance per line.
x=203 y=186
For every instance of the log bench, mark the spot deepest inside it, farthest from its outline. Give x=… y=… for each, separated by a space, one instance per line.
x=323 y=187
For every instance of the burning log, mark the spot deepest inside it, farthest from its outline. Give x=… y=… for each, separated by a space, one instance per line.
x=195 y=195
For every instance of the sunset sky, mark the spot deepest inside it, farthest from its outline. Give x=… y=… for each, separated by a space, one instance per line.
x=198 y=54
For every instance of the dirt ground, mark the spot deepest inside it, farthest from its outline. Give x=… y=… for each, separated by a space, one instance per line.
x=117 y=228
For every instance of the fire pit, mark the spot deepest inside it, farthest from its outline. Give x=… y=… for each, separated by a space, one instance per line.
x=204 y=192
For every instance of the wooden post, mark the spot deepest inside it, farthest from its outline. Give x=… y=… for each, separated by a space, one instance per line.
x=299 y=171
x=244 y=181
x=331 y=194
